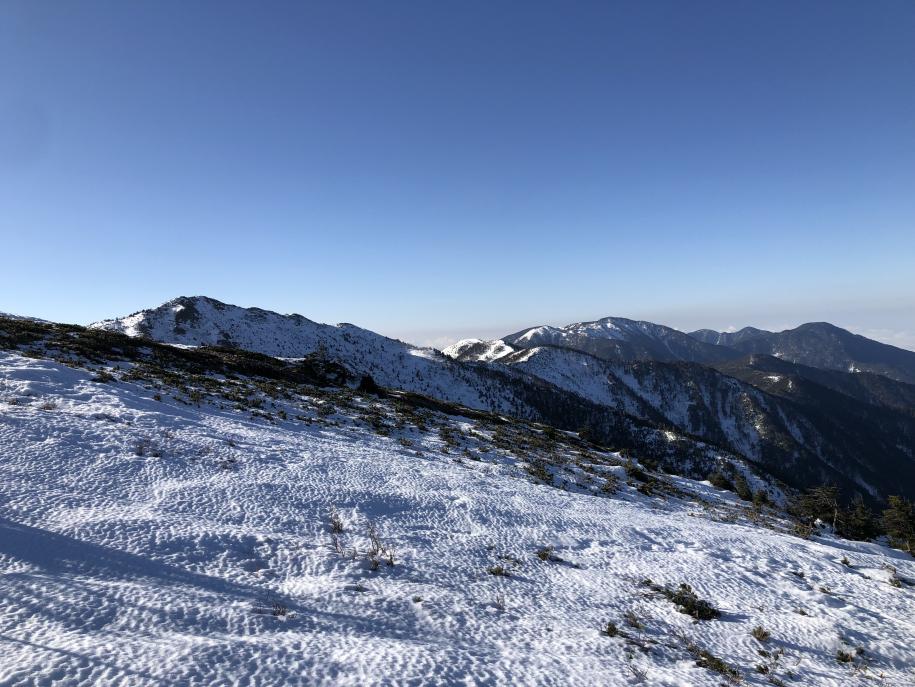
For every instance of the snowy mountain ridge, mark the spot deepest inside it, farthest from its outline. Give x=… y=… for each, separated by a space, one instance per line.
x=203 y=321
x=619 y=338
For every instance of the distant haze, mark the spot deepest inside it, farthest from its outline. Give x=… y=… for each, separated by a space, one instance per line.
x=869 y=324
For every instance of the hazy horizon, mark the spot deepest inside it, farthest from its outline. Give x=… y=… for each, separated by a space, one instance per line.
x=685 y=321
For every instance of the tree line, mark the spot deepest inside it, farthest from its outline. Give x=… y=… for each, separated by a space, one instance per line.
x=857 y=520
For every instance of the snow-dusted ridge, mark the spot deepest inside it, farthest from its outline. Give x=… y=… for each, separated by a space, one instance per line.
x=619 y=338
x=199 y=320
x=223 y=534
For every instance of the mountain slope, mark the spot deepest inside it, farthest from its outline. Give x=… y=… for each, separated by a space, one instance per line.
x=770 y=374
x=861 y=447
x=710 y=336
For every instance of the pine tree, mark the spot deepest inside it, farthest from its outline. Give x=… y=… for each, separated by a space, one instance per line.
x=858 y=522
x=742 y=487
x=820 y=503
x=899 y=523
x=719 y=480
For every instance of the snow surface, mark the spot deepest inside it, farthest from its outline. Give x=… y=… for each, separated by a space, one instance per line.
x=147 y=542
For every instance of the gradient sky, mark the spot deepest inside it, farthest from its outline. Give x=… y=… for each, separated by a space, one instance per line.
x=449 y=169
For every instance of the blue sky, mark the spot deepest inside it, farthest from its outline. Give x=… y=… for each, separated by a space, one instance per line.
x=440 y=170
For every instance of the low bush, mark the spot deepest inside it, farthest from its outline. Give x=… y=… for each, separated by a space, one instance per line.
x=687 y=601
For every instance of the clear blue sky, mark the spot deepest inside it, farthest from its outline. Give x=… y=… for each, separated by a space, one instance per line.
x=444 y=169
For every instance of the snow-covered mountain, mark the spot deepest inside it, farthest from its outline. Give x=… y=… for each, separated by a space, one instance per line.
x=169 y=516
x=202 y=321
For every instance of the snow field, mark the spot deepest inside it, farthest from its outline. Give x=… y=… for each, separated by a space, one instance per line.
x=147 y=542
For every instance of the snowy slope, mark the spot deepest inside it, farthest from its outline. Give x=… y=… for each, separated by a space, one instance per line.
x=151 y=542
x=478 y=350
x=582 y=374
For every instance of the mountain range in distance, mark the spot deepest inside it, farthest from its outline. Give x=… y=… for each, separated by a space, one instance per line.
x=807 y=405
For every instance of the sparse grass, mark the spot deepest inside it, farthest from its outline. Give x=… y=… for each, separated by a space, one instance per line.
x=498 y=571
x=761 y=634
x=633 y=620
x=635 y=472
x=378 y=548
x=546 y=553
x=686 y=601
x=638 y=674
x=336 y=522
x=611 y=629
x=538 y=470
x=843 y=656
x=706 y=659
x=771 y=667
x=103 y=377
x=611 y=484
x=803 y=530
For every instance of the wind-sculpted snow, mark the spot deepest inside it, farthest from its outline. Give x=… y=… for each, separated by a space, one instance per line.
x=152 y=542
